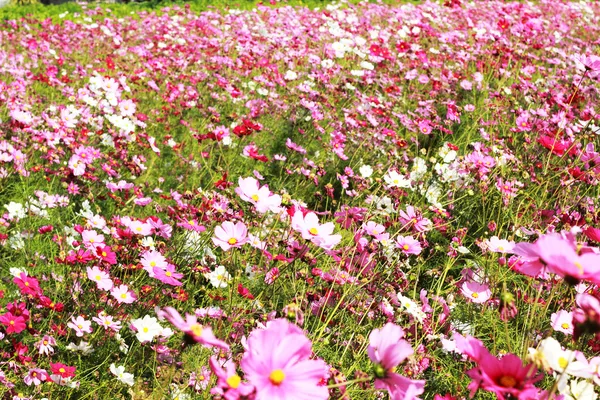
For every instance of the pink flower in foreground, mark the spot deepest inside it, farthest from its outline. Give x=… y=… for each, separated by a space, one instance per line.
x=228 y=235
x=586 y=318
x=229 y=383
x=194 y=332
x=507 y=377
x=277 y=362
x=387 y=349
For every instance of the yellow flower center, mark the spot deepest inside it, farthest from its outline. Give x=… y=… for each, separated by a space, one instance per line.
x=563 y=362
x=103 y=254
x=234 y=381
x=475 y=295
x=564 y=325
x=152 y=264
x=98 y=278
x=12 y=322
x=508 y=381
x=313 y=231
x=168 y=273
x=232 y=241
x=405 y=247
x=145 y=329
x=277 y=376
x=254 y=197
x=124 y=296
x=61 y=370
x=196 y=330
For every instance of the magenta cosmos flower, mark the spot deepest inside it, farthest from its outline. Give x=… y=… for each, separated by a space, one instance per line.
x=387 y=350
x=194 y=332
x=507 y=377
x=277 y=364
x=228 y=235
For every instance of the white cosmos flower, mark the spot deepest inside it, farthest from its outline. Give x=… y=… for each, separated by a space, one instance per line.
x=121 y=375
x=219 y=277
x=147 y=328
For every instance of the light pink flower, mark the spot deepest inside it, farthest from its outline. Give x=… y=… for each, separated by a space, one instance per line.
x=192 y=329
x=80 y=325
x=123 y=295
x=228 y=235
x=249 y=190
x=562 y=321
x=151 y=259
x=475 y=291
x=310 y=229
x=408 y=245
x=101 y=278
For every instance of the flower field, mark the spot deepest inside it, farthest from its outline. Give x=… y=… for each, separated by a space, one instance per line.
x=365 y=201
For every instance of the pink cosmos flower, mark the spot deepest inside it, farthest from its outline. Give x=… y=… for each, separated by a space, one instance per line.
x=45 y=345
x=153 y=259
x=194 y=332
x=562 y=321
x=80 y=325
x=91 y=239
x=228 y=235
x=373 y=228
x=123 y=295
x=387 y=349
x=106 y=254
x=277 y=362
x=310 y=229
x=168 y=275
x=13 y=323
x=408 y=245
x=560 y=255
x=107 y=322
x=229 y=383
x=507 y=377
x=498 y=245
x=586 y=318
x=36 y=376
x=28 y=285
x=101 y=278
x=475 y=291
x=413 y=219
x=249 y=190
